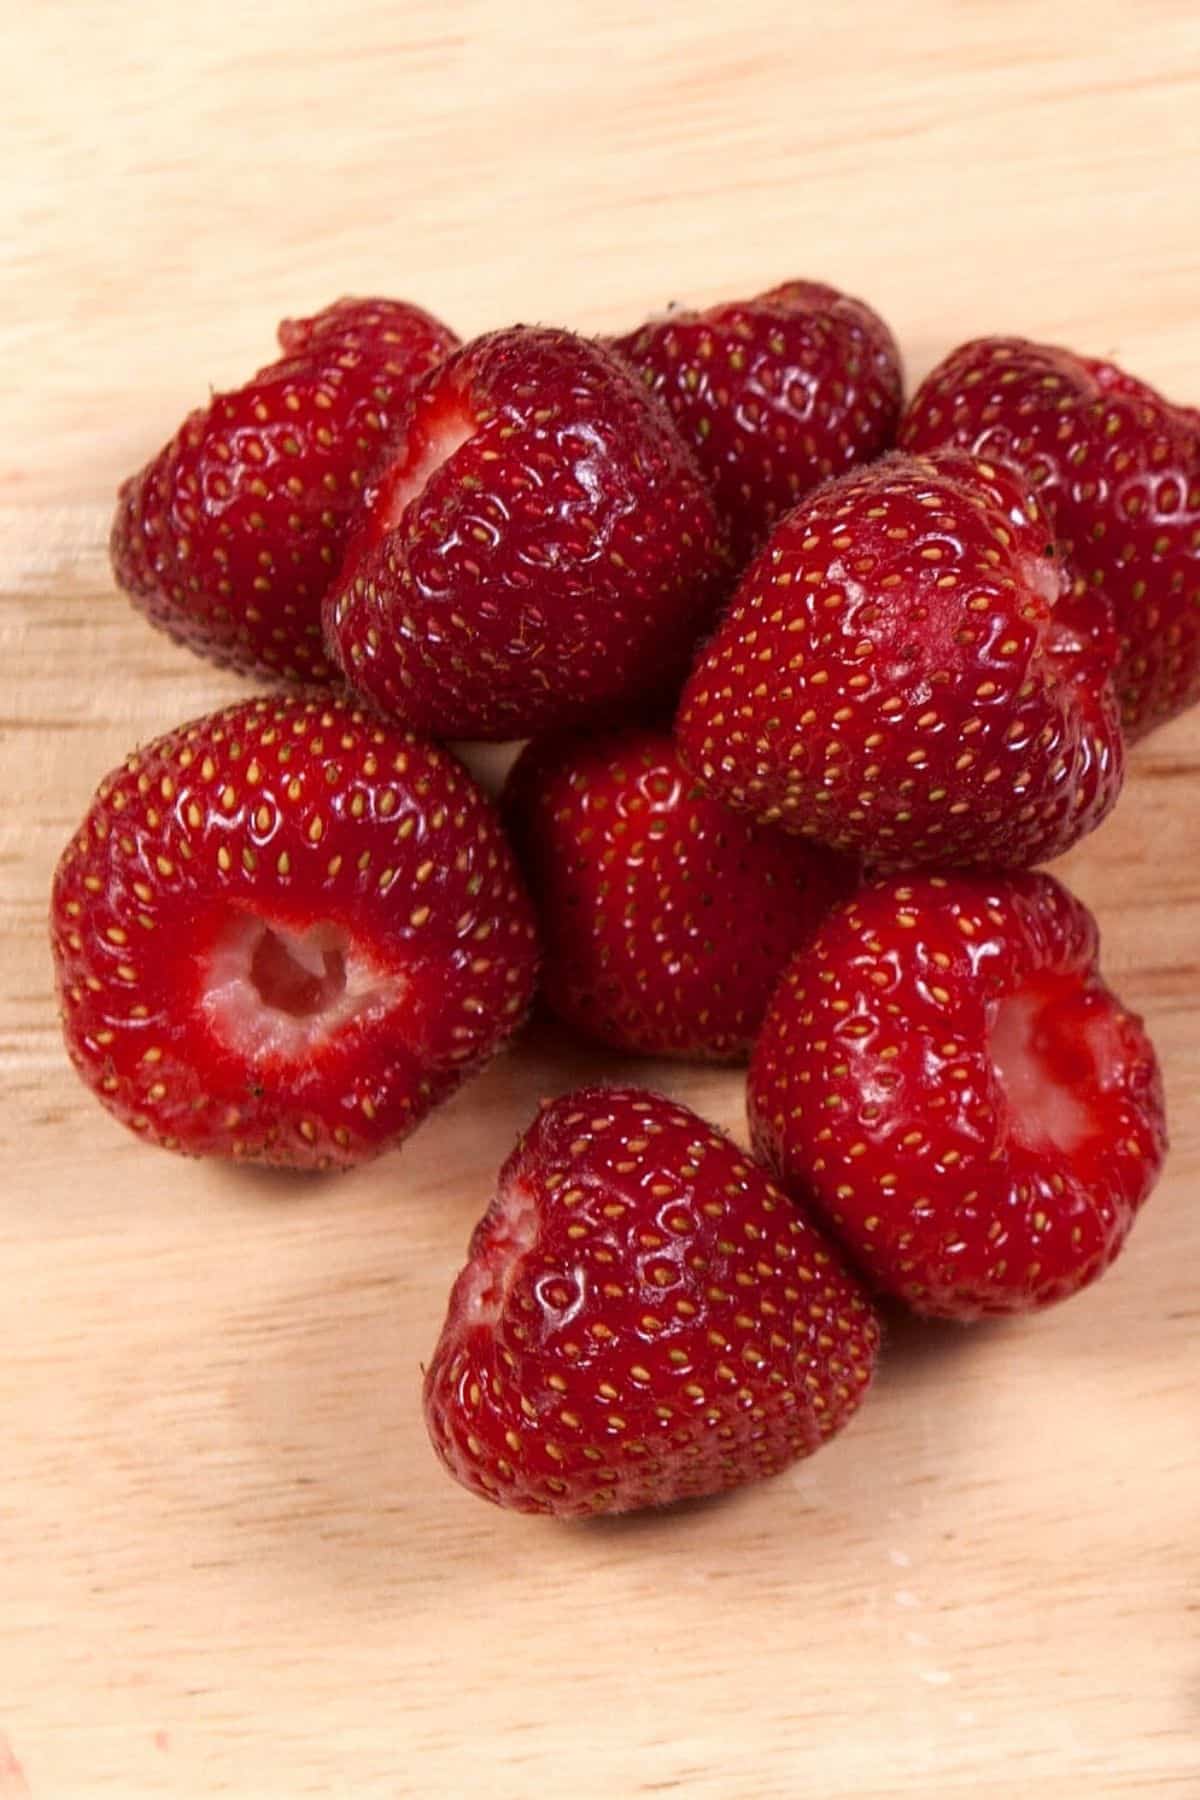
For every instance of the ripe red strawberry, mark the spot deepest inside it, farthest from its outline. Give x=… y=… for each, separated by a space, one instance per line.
x=229 y=537
x=541 y=551
x=666 y=919
x=644 y=1317
x=284 y=932
x=773 y=394
x=1118 y=469
x=944 y=1074
x=905 y=673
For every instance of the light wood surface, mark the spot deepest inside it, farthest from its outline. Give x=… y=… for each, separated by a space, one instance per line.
x=228 y=1561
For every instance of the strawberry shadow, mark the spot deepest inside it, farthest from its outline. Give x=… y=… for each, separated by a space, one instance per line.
x=650 y=1522
x=553 y=1060
x=560 y=1059
x=912 y=1346
x=253 y=1182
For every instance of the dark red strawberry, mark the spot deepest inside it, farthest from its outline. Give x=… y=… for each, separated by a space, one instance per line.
x=1118 y=468
x=773 y=394
x=284 y=932
x=904 y=673
x=945 y=1075
x=644 y=1318
x=666 y=919
x=542 y=552
x=230 y=536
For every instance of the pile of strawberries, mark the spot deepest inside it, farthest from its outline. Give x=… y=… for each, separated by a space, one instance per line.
x=804 y=710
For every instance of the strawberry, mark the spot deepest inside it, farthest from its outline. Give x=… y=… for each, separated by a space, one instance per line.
x=946 y=1077
x=773 y=394
x=666 y=919
x=229 y=537
x=905 y=673
x=284 y=932
x=1118 y=469
x=540 y=551
x=644 y=1318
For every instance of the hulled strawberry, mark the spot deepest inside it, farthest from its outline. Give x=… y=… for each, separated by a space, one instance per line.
x=645 y=1317
x=229 y=537
x=773 y=394
x=539 y=552
x=666 y=919
x=945 y=1075
x=1118 y=469
x=905 y=673
x=284 y=932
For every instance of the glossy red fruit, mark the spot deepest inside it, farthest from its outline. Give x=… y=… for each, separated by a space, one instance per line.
x=773 y=394
x=644 y=1318
x=541 y=552
x=944 y=1074
x=904 y=673
x=229 y=537
x=666 y=919
x=1118 y=468
x=285 y=932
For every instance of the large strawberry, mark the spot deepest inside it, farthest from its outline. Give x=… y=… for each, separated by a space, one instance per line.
x=946 y=1076
x=645 y=1317
x=540 y=551
x=1118 y=468
x=666 y=919
x=773 y=394
x=286 y=931
x=905 y=673
x=229 y=537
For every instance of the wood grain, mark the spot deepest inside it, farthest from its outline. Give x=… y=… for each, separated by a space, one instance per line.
x=228 y=1562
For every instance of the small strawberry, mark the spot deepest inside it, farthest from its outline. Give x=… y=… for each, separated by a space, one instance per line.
x=541 y=551
x=773 y=394
x=644 y=1318
x=285 y=932
x=229 y=537
x=1118 y=469
x=944 y=1074
x=666 y=919
x=904 y=673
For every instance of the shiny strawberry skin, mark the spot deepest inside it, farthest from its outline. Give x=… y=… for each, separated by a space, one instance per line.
x=1118 y=468
x=644 y=1318
x=541 y=552
x=666 y=919
x=962 y=1175
x=904 y=674
x=229 y=537
x=773 y=394
x=305 y=817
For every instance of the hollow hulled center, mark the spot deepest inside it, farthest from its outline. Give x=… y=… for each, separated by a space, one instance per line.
x=447 y=432
x=507 y=1235
x=1045 y=1066
x=274 y=991
x=295 y=975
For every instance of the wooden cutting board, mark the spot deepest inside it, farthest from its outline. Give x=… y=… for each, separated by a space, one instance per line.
x=228 y=1561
